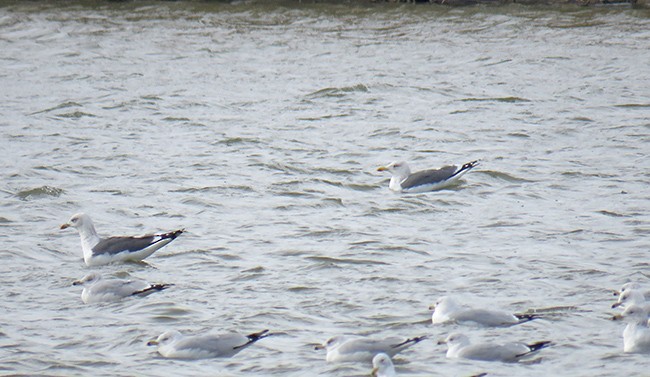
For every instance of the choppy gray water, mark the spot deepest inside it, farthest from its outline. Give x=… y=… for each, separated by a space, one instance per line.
x=258 y=128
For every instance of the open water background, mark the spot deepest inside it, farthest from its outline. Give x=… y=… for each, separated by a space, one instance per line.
x=258 y=127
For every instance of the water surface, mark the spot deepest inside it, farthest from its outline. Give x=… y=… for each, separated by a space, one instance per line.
x=258 y=128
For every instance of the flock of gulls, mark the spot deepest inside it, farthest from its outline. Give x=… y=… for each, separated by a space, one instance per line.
x=99 y=251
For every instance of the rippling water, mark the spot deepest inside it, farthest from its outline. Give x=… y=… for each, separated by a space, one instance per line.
x=258 y=128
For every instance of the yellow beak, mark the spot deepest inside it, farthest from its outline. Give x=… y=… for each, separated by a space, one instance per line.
x=382 y=168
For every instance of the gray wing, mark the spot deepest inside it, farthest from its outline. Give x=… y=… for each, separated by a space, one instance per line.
x=119 y=288
x=369 y=345
x=219 y=345
x=116 y=245
x=428 y=176
x=494 y=352
x=486 y=317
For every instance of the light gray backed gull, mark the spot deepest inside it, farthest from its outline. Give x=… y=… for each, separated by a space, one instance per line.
x=343 y=349
x=459 y=347
x=447 y=310
x=172 y=344
x=97 y=289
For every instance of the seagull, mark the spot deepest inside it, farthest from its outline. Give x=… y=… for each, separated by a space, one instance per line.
x=636 y=336
x=172 y=344
x=98 y=251
x=459 y=347
x=631 y=296
x=447 y=310
x=341 y=348
x=382 y=366
x=97 y=289
x=425 y=180
x=632 y=286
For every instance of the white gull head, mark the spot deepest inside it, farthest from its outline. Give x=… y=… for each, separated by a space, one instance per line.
x=400 y=170
x=382 y=366
x=87 y=232
x=443 y=309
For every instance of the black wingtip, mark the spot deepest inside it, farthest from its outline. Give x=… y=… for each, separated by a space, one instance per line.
x=539 y=345
x=160 y=287
x=415 y=340
x=173 y=234
x=526 y=317
x=470 y=165
x=152 y=288
x=254 y=337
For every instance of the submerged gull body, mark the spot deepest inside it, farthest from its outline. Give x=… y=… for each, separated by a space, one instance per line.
x=459 y=347
x=97 y=289
x=174 y=345
x=403 y=180
x=99 y=251
x=343 y=349
x=447 y=310
x=382 y=366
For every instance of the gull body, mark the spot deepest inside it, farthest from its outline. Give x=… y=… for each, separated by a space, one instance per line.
x=343 y=349
x=382 y=366
x=404 y=181
x=636 y=336
x=174 y=345
x=447 y=310
x=459 y=347
x=98 y=251
x=97 y=289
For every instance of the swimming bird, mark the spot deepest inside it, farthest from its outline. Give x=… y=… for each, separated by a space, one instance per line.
x=632 y=296
x=382 y=366
x=633 y=286
x=403 y=180
x=172 y=344
x=97 y=289
x=636 y=336
x=342 y=349
x=459 y=347
x=98 y=251
x=447 y=310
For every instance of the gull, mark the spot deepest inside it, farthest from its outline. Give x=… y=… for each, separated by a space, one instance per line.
x=342 y=349
x=403 y=180
x=459 y=347
x=633 y=286
x=97 y=289
x=636 y=336
x=172 y=344
x=447 y=310
x=382 y=366
x=98 y=251
x=631 y=296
